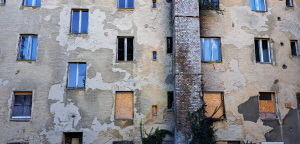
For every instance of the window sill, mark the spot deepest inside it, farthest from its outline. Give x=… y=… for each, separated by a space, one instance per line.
x=26 y=61
x=126 y=9
x=20 y=119
x=30 y=7
x=264 y=62
x=78 y=34
x=123 y=119
x=125 y=62
x=260 y=11
x=75 y=88
x=210 y=62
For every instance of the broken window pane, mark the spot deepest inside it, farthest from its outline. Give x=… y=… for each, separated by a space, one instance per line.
x=79 y=23
x=32 y=3
x=214 y=104
x=77 y=75
x=262 y=50
x=22 y=105
x=210 y=49
x=125 y=49
x=258 y=5
x=294 y=48
x=27 y=47
x=124 y=105
x=169 y=44
x=73 y=138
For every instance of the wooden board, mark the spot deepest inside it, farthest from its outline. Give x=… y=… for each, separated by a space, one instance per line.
x=213 y=101
x=124 y=105
x=267 y=106
x=23 y=93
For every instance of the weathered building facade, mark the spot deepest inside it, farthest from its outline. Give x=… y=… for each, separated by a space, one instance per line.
x=92 y=71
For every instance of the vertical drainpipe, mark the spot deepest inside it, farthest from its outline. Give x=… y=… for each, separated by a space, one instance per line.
x=186 y=65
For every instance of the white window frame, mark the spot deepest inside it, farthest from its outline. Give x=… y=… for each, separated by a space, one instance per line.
x=79 y=20
x=211 y=39
x=296 y=46
x=261 y=55
x=77 y=75
x=125 y=50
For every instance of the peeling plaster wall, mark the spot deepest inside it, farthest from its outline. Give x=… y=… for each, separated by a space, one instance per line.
x=241 y=78
x=56 y=109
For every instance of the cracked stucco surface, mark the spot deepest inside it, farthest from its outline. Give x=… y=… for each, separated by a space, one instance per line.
x=57 y=109
x=238 y=75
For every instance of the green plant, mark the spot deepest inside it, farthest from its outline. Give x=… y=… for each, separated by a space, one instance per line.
x=155 y=137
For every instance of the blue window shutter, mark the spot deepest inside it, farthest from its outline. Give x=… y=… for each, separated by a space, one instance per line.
x=34 y=45
x=130 y=4
x=253 y=5
x=75 y=22
x=84 y=21
x=81 y=75
x=72 y=76
x=121 y=4
x=216 y=50
x=262 y=5
x=201 y=49
x=38 y=2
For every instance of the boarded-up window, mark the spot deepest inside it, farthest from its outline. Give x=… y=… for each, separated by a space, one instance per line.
x=72 y=138
x=267 y=105
x=22 y=105
x=214 y=104
x=124 y=105
x=154 y=110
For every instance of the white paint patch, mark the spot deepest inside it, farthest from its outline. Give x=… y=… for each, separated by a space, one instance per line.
x=47 y=18
x=124 y=23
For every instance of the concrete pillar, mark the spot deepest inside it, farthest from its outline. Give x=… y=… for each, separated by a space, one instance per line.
x=186 y=66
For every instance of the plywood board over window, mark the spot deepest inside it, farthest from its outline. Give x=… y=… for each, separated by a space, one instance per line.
x=267 y=102
x=214 y=104
x=124 y=105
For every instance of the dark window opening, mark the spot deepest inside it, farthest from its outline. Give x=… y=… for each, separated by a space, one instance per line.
x=298 y=100
x=265 y=96
x=154 y=55
x=2 y=2
x=125 y=49
x=153 y=3
x=170 y=100
x=122 y=142
x=169 y=44
x=233 y=142
x=289 y=3
x=294 y=48
x=209 y=4
x=262 y=50
x=73 y=138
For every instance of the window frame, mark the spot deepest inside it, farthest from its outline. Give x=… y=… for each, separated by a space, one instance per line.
x=256 y=2
x=296 y=46
x=79 y=21
x=169 y=45
x=126 y=5
x=78 y=135
x=289 y=3
x=211 y=50
x=125 y=49
x=260 y=50
x=170 y=106
x=273 y=98
x=33 y=3
x=223 y=117
x=77 y=75
x=30 y=47
x=21 y=118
